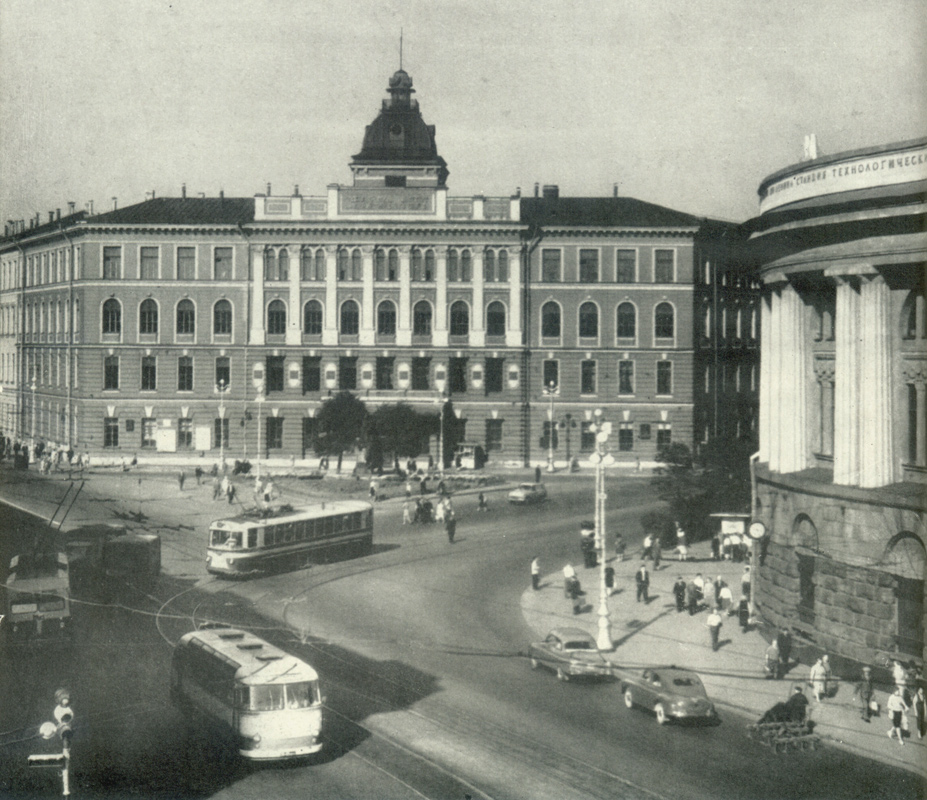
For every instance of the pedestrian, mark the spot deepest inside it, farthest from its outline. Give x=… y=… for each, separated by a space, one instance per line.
x=830 y=686
x=535 y=573
x=407 y=512
x=537 y=474
x=198 y=473
x=920 y=713
x=682 y=543
x=181 y=477
x=714 y=627
x=864 y=693
x=610 y=579
x=642 y=579
x=708 y=595
x=726 y=600
x=784 y=640
x=817 y=677
x=656 y=550
x=373 y=489
x=897 y=707
x=450 y=524
x=587 y=545
x=679 y=592
x=231 y=493
x=692 y=598
x=900 y=676
x=576 y=595
x=771 y=663
x=620 y=547
x=569 y=574
x=423 y=485
x=216 y=488
x=648 y=543
x=716 y=548
x=699 y=582
x=745 y=580
x=268 y=492
x=481 y=503
x=743 y=614
x=797 y=705
x=408 y=489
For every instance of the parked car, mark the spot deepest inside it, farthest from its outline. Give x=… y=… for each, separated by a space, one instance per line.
x=671 y=692
x=528 y=493
x=569 y=652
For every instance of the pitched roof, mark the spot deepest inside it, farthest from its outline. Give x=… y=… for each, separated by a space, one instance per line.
x=602 y=212
x=182 y=211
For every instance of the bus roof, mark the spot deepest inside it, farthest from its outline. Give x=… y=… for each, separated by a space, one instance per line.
x=254 y=660
x=287 y=513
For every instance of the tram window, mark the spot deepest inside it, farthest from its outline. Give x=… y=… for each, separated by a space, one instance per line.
x=288 y=533
x=252 y=537
x=267 y=698
x=329 y=525
x=222 y=538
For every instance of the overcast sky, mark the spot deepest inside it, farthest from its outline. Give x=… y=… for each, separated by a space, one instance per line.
x=685 y=104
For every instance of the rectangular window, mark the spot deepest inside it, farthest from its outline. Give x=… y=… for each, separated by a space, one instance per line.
x=222 y=262
x=110 y=432
x=385 y=372
x=186 y=263
x=912 y=423
x=664 y=436
x=495 y=369
x=588 y=266
x=663 y=263
x=550 y=374
x=664 y=377
x=586 y=437
x=457 y=375
x=148 y=264
x=626 y=436
x=550 y=266
x=275 y=373
x=312 y=374
x=587 y=377
x=274 y=433
x=149 y=428
x=223 y=371
x=625 y=266
x=184 y=433
x=112 y=263
x=626 y=377
x=493 y=435
x=644 y=434
x=421 y=367
x=149 y=373
x=185 y=374
x=111 y=372
x=220 y=436
x=347 y=372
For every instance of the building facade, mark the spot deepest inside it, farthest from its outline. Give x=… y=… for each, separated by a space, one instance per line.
x=841 y=243
x=191 y=324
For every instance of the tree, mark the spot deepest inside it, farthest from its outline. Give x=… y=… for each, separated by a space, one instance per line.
x=678 y=485
x=453 y=433
x=399 y=429
x=340 y=425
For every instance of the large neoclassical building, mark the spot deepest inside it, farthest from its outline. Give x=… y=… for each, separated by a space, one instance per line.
x=180 y=324
x=841 y=479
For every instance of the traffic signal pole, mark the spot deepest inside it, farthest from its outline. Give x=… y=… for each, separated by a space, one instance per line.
x=64 y=716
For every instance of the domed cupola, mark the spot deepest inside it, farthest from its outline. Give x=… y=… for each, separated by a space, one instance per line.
x=399 y=148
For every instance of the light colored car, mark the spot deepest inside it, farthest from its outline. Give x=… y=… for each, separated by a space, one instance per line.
x=671 y=693
x=528 y=493
x=569 y=652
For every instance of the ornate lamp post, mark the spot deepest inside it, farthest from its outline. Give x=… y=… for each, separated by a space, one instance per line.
x=222 y=388
x=550 y=391
x=260 y=404
x=32 y=388
x=442 y=402
x=602 y=459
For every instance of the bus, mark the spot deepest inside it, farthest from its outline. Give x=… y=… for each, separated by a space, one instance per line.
x=284 y=538
x=38 y=596
x=268 y=700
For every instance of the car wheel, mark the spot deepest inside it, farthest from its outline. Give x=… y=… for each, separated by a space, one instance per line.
x=535 y=663
x=561 y=675
x=658 y=709
x=628 y=698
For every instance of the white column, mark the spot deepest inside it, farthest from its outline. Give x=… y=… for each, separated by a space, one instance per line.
x=368 y=311
x=766 y=386
x=330 y=329
x=846 y=381
x=513 y=330
x=439 y=331
x=875 y=387
x=294 y=312
x=478 y=312
x=404 y=321
x=256 y=254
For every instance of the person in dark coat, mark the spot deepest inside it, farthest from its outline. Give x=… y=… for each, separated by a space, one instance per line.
x=610 y=579
x=797 y=705
x=784 y=640
x=679 y=592
x=537 y=474
x=642 y=579
x=692 y=598
x=864 y=694
x=743 y=614
x=450 y=524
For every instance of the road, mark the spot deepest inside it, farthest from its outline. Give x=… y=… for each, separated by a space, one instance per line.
x=421 y=651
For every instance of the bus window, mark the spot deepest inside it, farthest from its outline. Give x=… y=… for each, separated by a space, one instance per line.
x=299 y=695
x=267 y=698
x=252 y=537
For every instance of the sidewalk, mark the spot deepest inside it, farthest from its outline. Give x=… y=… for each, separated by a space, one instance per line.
x=654 y=633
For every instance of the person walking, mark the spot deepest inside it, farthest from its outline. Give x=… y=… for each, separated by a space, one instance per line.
x=181 y=477
x=450 y=524
x=830 y=686
x=920 y=713
x=784 y=640
x=656 y=551
x=537 y=474
x=569 y=575
x=771 y=663
x=481 y=504
x=535 y=573
x=818 y=679
x=692 y=598
x=745 y=581
x=726 y=600
x=620 y=547
x=682 y=543
x=648 y=544
x=714 y=627
x=230 y=493
x=642 y=579
x=864 y=693
x=679 y=592
x=407 y=512
x=897 y=707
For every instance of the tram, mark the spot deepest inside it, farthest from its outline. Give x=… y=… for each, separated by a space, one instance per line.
x=38 y=596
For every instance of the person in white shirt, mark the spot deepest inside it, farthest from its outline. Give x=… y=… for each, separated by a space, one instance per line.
x=896 y=706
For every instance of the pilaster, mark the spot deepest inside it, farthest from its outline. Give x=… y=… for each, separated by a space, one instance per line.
x=404 y=321
x=330 y=329
x=513 y=332
x=478 y=312
x=256 y=335
x=439 y=331
x=294 y=312
x=368 y=312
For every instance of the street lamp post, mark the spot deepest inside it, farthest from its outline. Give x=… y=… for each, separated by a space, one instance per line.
x=550 y=391
x=442 y=402
x=260 y=404
x=32 y=388
x=222 y=388
x=602 y=459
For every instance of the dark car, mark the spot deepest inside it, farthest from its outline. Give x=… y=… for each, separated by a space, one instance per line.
x=569 y=652
x=671 y=693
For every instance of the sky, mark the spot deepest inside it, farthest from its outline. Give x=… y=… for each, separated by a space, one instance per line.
x=685 y=104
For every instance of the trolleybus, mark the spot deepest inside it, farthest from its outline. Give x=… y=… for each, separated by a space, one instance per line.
x=267 y=699
x=38 y=597
x=262 y=541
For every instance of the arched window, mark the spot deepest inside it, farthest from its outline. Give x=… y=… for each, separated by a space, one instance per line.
x=386 y=318
x=421 y=319
x=270 y=265
x=312 y=318
x=495 y=319
x=112 y=316
x=320 y=265
x=626 y=321
x=465 y=270
x=350 y=318
x=489 y=266
x=392 y=272
x=914 y=316
x=283 y=266
x=417 y=273
x=588 y=320
x=550 y=320
x=222 y=318
x=276 y=317
x=460 y=319
x=429 y=265
x=343 y=264
x=502 y=271
x=186 y=317
x=357 y=266
x=306 y=264
x=379 y=265
x=148 y=317
x=664 y=321
x=452 y=266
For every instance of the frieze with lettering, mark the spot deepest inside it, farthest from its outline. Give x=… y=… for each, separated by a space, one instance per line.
x=373 y=201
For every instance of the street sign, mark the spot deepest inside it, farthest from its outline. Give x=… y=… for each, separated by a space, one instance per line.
x=50 y=760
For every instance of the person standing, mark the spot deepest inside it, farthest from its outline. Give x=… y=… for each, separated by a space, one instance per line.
x=743 y=614
x=726 y=600
x=682 y=544
x=920 y=713
x=620 y=547
x=648 y=544
x=692 y=597
x=535 y=573
x=829 y=686
x=897 y=707
x=797 y=705
x=407 y=512
x=771 y=665
x=745 y=581
x=864 y=692
x=714 y=627
x=784 y=640
x=569 y=575
x=408 y=488
x=656 y=551
x=181 y=477
x=679 y=592
x=450 y=524
x=818 y=678
x=537 y=474
x=481 y=504
x=642 y=579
